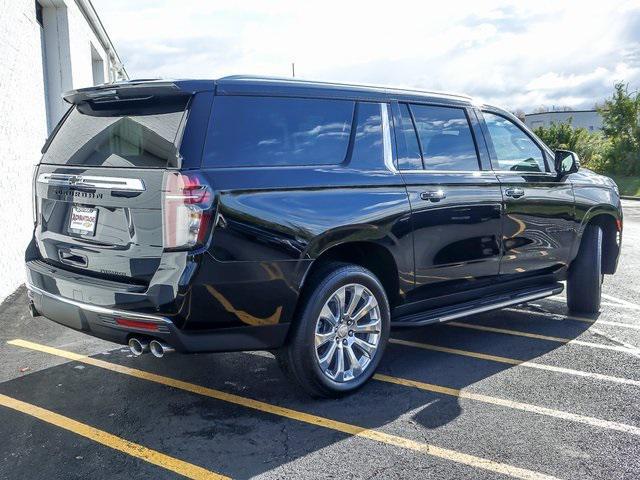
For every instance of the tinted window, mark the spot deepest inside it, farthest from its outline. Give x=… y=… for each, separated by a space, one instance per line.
x=128 y=136
x=266 y=131
x=513 y=148
x=446 y=139
x=367 y=146
x=412 y=160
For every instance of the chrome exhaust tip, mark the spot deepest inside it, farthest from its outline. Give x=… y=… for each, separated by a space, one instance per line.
x=159 y=349
x=138 y=346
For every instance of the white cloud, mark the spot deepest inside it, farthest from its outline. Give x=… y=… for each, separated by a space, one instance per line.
x=516 y=54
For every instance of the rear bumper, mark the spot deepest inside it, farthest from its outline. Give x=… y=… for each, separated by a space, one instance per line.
x=102 y=321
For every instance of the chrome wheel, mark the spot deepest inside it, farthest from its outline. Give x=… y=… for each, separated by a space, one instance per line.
x=347 y=332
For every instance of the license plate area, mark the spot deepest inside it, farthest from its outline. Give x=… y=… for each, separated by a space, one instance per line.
x=83 y=220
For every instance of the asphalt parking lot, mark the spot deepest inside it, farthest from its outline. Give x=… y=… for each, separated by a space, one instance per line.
x=527 y=392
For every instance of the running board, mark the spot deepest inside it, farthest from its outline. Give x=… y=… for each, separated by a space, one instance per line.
x=494 y=302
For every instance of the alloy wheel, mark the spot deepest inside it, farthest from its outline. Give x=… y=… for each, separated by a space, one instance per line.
x=347 y=333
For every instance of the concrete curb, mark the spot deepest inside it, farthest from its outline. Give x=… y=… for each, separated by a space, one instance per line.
x=627 y=197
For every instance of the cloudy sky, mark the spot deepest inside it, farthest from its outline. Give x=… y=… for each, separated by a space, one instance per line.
x=521 y=55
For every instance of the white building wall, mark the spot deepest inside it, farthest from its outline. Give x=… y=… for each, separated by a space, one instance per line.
x=23 y=130
x=589 y=119
x=81 y=39
x=25 y=88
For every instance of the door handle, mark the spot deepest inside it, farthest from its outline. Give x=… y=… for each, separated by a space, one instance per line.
x=433 y=195
x=514 y=192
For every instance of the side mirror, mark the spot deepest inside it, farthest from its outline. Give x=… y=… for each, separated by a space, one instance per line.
x=566 y=162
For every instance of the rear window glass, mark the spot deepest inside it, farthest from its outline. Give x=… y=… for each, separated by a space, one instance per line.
x=412 y=160
x=446 y=138
x=367 y=144
x=133 y=134
x=272 y=131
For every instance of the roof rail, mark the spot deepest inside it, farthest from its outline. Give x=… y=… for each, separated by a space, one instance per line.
x=339 y=84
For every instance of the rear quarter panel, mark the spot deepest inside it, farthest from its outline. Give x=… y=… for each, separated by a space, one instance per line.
x=271 y=223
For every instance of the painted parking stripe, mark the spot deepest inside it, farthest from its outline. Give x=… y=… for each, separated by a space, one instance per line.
x=349 y=429
x=526 y=407
x=561 y=316
x=503 y=402
x=518 y=333
x=615 y=339
x=550 y=315
x=514 y=361
x=109 y=440
x=604 y=304
x=621 y=301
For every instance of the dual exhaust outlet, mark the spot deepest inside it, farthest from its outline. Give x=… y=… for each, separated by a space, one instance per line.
x=158 y=349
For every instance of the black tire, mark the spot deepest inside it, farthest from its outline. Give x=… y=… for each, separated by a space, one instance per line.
x=584 y=282
x=298 y=358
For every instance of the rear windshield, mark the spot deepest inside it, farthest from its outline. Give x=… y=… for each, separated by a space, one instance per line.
x=119 y=134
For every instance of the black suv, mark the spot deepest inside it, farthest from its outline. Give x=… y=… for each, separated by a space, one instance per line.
x=305 y=218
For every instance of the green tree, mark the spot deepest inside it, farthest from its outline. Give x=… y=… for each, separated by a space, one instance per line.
x=591 y=147
x=621 y=124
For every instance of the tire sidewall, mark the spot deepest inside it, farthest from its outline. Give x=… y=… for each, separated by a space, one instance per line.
x=584 y=282
x=327 y=286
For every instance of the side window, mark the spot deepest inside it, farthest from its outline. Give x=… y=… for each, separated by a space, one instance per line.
x=446 y=138
x=413 y=159
x=513 y=148
x=271 y=131
x=367 y=145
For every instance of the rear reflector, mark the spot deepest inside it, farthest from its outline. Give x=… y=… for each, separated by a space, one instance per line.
x=125 y=322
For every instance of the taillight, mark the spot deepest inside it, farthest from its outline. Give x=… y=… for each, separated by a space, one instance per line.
x=187 y=201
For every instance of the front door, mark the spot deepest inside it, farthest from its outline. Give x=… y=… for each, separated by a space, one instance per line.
x=455 y=205
x=538 y=218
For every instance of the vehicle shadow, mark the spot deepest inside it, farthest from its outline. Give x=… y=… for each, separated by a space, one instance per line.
x=242 y=442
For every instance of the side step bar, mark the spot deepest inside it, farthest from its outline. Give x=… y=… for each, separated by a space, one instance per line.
x=495 y=302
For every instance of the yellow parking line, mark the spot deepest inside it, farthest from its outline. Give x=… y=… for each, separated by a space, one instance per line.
x=526 y=407
x=349 y=429
x=519 y=333
x=502 y=402
x=507 y=332
x=455 y=351
x=514 y=361
x=107 y=439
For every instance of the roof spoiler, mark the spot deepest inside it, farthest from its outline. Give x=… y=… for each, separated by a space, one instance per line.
x=132 y=90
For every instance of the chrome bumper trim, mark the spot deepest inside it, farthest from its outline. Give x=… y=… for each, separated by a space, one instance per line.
x=98 y=309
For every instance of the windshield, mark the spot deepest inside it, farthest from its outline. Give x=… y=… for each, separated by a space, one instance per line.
x=119 y=134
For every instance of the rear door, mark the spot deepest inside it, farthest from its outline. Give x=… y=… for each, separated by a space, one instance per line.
x=455 y=203
x=99 y=184
x=538 y=220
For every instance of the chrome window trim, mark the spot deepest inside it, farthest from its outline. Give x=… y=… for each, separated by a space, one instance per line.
x=482 y=173
x=525 y=173
x=386 y=138
x=91 y=181
x=475 y=173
